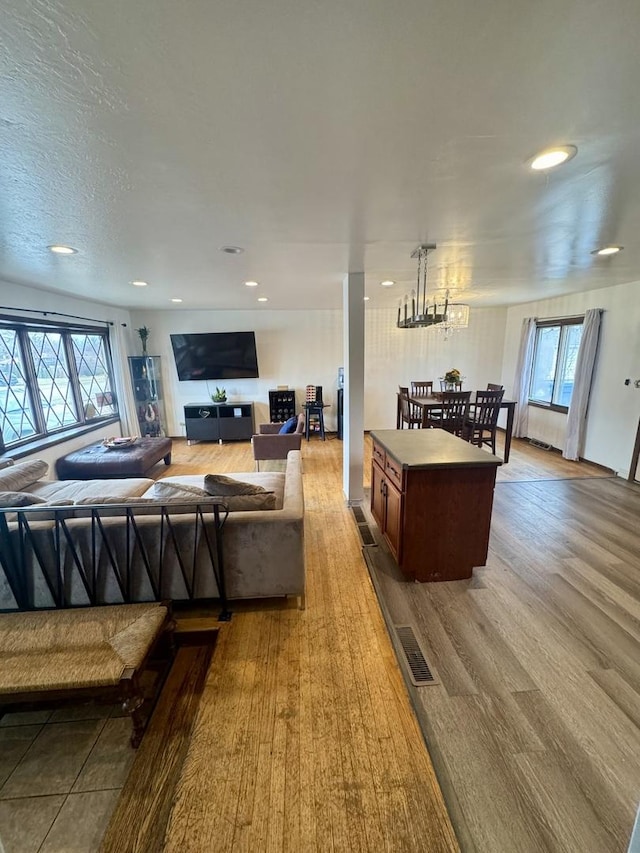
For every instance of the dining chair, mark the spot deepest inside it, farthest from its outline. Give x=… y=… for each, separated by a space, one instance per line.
x=491 y=386
x=410 y=413
x=421 y=389
x=453 y=415
x=481 y=422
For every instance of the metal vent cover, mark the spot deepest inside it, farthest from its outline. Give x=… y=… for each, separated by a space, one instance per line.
x=366 y=536
x=415 y=659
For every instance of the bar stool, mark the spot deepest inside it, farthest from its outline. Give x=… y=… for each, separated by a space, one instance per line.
x=314 y=410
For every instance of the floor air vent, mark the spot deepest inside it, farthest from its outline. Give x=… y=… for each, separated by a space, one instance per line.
x=358 y=514
x=419 y=670
x=366 y=536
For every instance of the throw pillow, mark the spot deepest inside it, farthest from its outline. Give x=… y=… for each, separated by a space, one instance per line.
x=19 y=499
x=289 y=426
x=218 y=484
x=246 y=503
x=112 y=499
x=20 y=476
x=174 y=491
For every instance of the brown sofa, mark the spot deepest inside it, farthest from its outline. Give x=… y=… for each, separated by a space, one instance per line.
x=270 y=444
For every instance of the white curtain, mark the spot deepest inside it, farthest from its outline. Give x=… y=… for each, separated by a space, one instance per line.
x=523 y=377
x=122 y=381
x=577 y=417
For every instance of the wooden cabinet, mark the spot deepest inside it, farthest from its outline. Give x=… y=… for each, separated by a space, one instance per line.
x=432 y=496
x=386 y=502
x=146 y=380
x=218 y=421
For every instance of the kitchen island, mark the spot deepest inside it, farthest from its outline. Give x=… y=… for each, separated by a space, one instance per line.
x=432 y=496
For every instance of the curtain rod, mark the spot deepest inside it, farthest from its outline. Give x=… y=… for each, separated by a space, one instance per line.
x=58 y=314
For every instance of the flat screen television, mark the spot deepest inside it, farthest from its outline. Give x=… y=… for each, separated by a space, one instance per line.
x=215 y=355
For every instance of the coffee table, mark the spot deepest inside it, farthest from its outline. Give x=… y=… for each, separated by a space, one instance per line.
x=97 y=462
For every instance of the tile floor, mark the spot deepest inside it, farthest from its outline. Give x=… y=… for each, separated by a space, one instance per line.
x=60 y=776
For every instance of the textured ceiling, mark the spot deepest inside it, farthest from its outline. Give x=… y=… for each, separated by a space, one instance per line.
x=321 y=137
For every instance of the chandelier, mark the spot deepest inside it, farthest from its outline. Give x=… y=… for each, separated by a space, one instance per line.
x=417 y=311
x=456 y=316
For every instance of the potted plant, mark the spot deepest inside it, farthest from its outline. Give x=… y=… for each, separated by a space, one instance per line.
x=451 y=379
x=220 y=395
x=144 y=333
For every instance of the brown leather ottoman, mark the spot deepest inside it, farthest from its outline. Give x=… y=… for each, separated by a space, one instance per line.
x=98 y=462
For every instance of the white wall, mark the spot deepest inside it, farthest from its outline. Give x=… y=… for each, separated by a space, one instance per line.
x=398 y=356
x=295 y=348
x=614 y=408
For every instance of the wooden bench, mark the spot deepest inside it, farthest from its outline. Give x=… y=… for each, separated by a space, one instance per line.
x=84 y=653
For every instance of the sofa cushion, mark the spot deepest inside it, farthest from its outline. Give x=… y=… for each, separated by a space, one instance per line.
x=93 y=490
x=17 y=477
x=19 y=499
x=218 y=484
x=162 y=490
x=289 y=426
x=246 y=503
x=234 y=503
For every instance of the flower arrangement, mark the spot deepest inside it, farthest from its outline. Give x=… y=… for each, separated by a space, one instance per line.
x=452 y=375
x=143 y=333
x=220 y=396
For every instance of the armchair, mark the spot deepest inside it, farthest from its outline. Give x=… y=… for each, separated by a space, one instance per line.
x=269 y=443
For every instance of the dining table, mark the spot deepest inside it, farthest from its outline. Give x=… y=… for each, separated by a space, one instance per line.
x=433 y=402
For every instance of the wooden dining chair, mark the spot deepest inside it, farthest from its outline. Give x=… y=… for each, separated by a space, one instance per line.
x=491 y=386
x=453 y=415
x=481 y=423
x=421 y=389
x=408 y=413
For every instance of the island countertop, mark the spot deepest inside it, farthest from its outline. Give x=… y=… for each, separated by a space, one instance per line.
x=432 y=448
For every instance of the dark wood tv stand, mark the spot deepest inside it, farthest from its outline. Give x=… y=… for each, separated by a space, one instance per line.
x=218 y=421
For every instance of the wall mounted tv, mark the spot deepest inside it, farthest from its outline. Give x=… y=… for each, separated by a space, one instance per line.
x=215 y=355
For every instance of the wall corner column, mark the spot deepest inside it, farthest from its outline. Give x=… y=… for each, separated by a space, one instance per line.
x=353 y=417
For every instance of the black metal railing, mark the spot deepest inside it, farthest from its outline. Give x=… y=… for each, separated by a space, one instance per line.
x=108 y=553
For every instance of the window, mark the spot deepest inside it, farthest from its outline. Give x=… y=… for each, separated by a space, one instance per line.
x=554 y=362
x=52 y=378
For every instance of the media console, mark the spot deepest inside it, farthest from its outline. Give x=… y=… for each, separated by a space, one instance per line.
x=218 y=421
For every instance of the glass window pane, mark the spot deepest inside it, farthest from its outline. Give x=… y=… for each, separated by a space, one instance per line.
x=568 y=354
x=90 y=354
x=544 y=365
x=54 y=385
x=17 y=419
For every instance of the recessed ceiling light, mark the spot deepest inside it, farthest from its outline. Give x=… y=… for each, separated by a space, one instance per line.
x=387 y=283
x=139 y=283
x=251 y=283
x=551 y=157
x=62 y=250
x=232 y=250
x=176 y=299
x=607 y=250
x=367 y=298
x=262 y=299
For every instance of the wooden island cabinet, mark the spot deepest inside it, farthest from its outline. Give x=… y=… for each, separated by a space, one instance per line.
x=431 y=497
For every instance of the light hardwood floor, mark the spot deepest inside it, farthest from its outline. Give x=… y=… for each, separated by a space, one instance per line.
x=534 y=728
x=305 y=738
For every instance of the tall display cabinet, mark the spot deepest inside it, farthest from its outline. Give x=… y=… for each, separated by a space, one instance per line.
x=146 y=378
